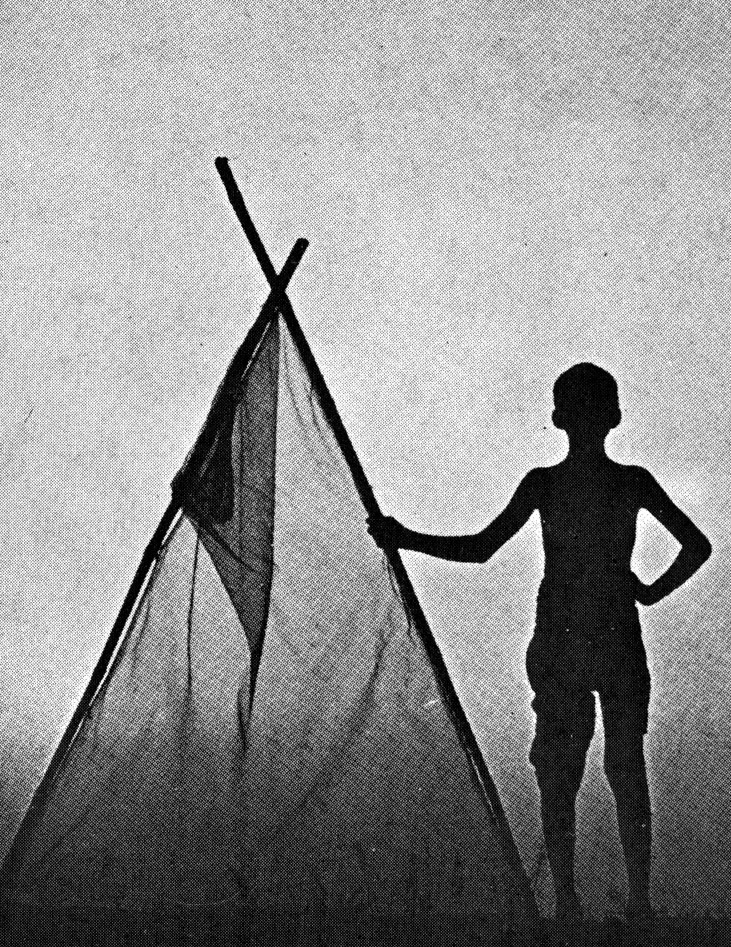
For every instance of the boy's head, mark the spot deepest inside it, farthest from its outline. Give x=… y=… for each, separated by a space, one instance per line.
x=586 y=400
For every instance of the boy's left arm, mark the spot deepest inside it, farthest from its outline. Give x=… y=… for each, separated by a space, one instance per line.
x=695 y=547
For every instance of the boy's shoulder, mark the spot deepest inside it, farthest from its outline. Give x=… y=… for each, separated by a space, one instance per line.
x=635 y=474
x=541 y=474
x=535 y=481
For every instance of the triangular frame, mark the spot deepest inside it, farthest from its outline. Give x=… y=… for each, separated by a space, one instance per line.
x=278 y=303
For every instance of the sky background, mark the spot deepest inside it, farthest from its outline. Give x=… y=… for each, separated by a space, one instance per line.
x=492 y=191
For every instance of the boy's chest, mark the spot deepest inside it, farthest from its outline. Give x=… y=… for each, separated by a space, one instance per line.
x=588 y=514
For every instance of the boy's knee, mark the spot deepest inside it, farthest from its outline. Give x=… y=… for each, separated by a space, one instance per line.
x=558 y=773
x=564 y=727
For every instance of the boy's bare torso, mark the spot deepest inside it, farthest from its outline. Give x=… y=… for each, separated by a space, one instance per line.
x=589 y=523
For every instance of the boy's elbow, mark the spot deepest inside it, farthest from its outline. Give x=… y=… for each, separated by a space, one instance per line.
x=699 y=549
x=704 y=549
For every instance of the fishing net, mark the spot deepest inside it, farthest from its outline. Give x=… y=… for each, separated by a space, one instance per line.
x=270 y=758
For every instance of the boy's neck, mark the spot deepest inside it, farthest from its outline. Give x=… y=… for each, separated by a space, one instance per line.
x=587 y=451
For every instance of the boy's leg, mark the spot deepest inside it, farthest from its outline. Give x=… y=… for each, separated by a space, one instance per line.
x=564 y=728
x=624 y=708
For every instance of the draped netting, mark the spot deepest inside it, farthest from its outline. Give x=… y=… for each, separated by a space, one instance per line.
x=270 y=759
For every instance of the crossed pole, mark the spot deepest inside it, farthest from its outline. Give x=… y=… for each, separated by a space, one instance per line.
x=479 y=771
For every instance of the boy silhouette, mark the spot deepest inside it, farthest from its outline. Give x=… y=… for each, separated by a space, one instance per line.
x=587 y=634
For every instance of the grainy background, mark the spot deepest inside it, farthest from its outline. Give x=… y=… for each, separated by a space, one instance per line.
x=492 y=191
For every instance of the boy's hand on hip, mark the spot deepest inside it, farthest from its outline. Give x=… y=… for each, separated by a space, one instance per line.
x=644 y=593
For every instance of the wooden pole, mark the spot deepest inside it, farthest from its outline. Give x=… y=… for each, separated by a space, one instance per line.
x=478 y=766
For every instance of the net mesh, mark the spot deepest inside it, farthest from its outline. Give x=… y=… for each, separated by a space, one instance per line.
x=337 y=806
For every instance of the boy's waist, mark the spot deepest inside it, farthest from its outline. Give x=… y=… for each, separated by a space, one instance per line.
x=587 y=582
x=608 y=601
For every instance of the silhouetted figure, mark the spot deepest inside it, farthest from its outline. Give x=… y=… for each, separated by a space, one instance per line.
x=587 y=636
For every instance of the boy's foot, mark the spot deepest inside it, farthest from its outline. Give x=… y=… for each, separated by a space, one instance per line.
x=568 y=907
x=639 y=909
x=640 y=918
x=568 y=917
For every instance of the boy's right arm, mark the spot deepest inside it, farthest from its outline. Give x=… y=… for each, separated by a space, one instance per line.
x=475 y=547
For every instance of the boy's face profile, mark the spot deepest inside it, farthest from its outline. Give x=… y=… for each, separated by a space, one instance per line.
x=586 y=402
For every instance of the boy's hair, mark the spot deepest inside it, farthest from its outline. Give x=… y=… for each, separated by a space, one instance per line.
x=586 y=392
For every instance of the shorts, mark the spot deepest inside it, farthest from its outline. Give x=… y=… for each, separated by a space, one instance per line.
x=565 y=672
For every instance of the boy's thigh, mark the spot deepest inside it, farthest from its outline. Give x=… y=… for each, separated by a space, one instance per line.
x=625 y=701
x=565 y=720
